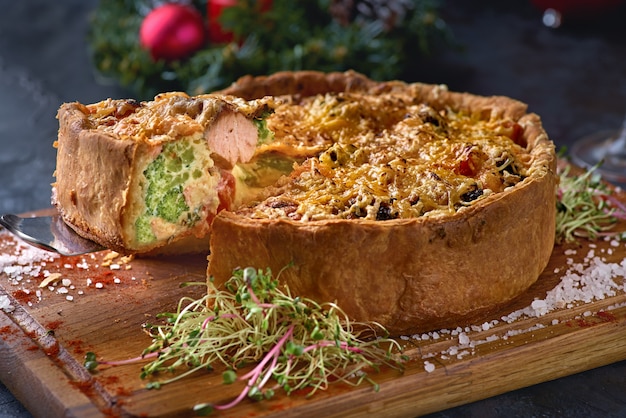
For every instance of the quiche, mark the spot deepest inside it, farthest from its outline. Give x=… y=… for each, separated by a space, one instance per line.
x=406 y=204
x=418 y=208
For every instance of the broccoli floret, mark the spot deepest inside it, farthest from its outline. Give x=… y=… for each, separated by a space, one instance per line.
x=164 y=198
x=172 y=204
x=144 y=231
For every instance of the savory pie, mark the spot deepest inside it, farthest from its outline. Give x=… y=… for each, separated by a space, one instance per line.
x=405 y=203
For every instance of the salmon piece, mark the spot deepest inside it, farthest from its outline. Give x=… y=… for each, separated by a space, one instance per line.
x=232 y=138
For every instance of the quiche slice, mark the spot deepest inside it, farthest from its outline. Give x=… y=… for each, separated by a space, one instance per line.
x=420 y=208
x=150 y=176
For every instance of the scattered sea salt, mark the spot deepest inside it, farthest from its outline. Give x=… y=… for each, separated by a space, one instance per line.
x=581 y=282
x=429 y=367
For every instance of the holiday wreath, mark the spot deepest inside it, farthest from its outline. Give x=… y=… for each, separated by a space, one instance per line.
x=202 y=45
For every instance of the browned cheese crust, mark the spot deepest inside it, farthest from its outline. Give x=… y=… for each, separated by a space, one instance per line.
x=410 y=275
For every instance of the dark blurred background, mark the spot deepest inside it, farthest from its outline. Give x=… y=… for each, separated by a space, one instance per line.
x=573 y=76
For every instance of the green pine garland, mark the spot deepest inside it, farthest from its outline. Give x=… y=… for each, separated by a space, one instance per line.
x=300 y=35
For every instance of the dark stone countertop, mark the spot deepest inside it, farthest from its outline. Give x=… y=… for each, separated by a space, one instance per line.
x=573 y=76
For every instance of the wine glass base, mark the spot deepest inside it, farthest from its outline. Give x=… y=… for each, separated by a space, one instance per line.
x=600 y=149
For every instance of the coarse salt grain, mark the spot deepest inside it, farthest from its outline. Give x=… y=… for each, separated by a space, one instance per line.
x=429 y=367
x=99 y=285
x=5 y=303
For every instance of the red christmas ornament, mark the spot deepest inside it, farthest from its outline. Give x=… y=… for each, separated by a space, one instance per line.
x=172 y=31
x=217 y=34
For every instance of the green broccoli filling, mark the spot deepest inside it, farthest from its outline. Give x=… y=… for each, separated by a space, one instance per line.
x=165 y=177
x=265 y=134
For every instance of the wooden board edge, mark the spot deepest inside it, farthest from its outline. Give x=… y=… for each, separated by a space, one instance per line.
x=36 y=380
x=41 y=373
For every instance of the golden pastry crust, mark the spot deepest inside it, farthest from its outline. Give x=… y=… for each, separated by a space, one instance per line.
x=410 y=275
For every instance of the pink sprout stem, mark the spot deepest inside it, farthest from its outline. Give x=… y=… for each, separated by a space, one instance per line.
x=253 y=295
x=254 y=374
x=235 y=401
x=268 y=356
x=268 y=374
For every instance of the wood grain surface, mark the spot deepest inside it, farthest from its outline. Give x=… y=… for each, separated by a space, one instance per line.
x=45 y=337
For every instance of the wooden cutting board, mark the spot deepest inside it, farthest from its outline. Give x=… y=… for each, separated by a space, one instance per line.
x=100 y=308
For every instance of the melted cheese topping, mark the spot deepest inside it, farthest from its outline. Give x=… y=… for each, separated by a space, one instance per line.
x=385 y=157
x=168 y=116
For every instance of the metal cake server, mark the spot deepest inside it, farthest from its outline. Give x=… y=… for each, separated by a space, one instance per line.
x=49 y=233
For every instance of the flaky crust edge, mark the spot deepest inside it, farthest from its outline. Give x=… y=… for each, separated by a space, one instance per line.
x=410 y=275
x=93 y=173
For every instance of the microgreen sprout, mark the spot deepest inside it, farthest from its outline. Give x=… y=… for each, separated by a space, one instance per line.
x=289 y=343
x=586 y=206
